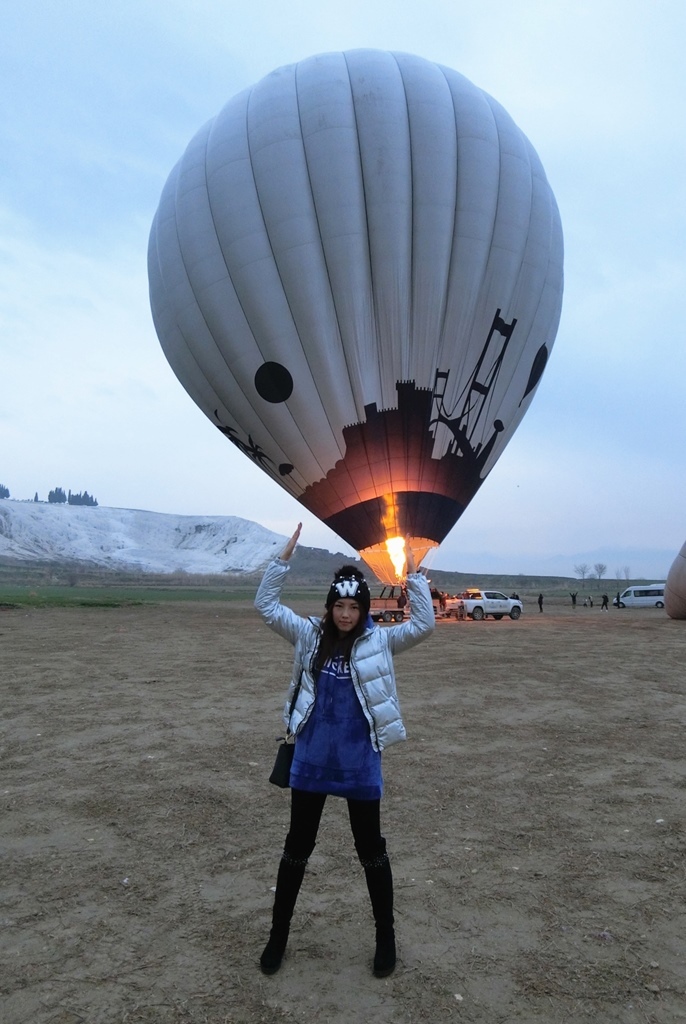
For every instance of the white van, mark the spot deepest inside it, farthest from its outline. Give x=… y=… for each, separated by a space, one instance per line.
x=649 y=595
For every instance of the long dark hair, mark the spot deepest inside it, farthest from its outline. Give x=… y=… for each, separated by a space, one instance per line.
x=331 y=644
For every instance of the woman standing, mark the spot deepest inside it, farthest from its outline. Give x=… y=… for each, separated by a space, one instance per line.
x=345 y=713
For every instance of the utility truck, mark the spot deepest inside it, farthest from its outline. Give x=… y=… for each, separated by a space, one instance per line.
x=390 y=605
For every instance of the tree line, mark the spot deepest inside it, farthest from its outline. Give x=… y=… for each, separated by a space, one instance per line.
x=599 y=569
x=58 y=496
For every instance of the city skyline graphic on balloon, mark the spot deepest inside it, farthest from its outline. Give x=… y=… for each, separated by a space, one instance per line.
x=356 y=273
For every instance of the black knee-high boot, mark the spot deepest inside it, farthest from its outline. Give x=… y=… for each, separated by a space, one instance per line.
x=379 y=877
x=288 y=882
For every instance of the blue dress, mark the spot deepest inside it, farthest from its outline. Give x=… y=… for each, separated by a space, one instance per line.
x=333 y=751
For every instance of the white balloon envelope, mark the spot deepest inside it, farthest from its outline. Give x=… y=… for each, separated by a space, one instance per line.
x=675 y=587
x=356 y=273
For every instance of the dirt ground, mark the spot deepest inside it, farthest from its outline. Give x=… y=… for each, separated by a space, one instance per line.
x=536 y=820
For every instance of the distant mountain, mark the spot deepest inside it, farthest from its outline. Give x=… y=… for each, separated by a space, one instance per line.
x=641 y=563
x=128 y=539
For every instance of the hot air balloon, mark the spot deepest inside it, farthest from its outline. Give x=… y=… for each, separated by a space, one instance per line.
x=356 y=272
x=675 y=587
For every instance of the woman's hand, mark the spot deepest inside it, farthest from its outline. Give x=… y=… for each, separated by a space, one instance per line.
x=410 y=564
x=290 y=546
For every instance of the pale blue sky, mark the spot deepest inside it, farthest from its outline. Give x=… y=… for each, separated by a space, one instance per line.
x=100 y=103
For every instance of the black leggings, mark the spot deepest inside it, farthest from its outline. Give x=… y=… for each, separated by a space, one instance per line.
x=306 y=813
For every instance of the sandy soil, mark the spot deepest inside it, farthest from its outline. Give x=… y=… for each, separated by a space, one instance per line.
x=536 y=820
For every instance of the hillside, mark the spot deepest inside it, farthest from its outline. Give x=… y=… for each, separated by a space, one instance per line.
x=132 y=540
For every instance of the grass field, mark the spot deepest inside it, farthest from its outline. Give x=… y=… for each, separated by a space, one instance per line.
x=35 y=584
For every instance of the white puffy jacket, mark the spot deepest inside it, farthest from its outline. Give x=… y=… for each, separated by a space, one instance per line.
x=371 y=663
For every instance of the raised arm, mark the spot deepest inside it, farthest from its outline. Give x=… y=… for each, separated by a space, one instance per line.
x=268 y=598
x=409 y=557
x=291 y=544
x=422 y=618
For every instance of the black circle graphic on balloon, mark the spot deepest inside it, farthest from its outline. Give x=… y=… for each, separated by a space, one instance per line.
x=274 y=383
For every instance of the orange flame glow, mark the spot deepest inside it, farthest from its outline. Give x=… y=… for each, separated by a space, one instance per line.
x=380 y=560
x=396 y=550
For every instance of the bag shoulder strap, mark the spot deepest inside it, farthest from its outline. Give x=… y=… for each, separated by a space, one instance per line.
x=294 y=699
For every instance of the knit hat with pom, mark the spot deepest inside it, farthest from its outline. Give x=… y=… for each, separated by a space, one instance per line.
x=349 y=582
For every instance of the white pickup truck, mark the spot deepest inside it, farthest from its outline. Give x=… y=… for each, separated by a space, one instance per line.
x=477 y=604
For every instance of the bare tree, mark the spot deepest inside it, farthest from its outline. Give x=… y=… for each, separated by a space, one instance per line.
x=582 y=572
x=627 y=572
x=600 y=569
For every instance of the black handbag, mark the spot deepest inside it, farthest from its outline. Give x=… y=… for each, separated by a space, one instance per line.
x=281 y=772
